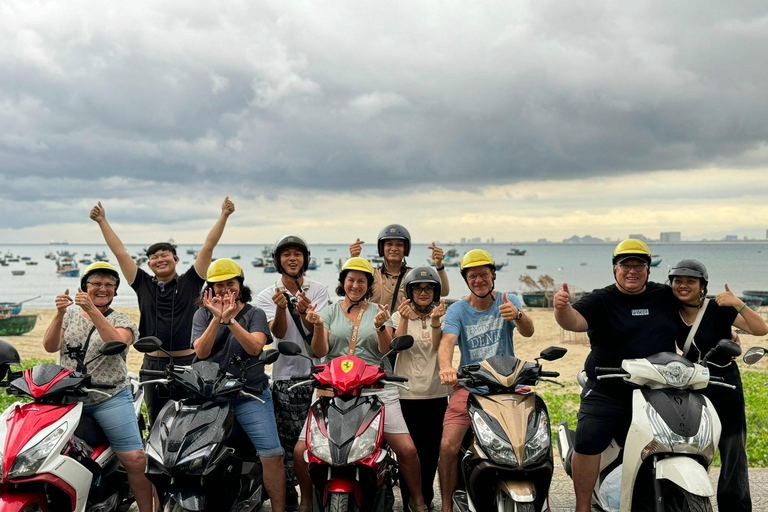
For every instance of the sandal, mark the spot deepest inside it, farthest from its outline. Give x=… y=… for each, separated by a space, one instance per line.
x=414 y=508
x=304 y=508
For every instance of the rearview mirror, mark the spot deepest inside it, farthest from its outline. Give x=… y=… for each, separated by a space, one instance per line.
x=112 y=348
x=288 y=348
x=754 y=354
x=728 y=348
x=148 y=344
x=552 y=353
x=401 y=343
x=269 y=356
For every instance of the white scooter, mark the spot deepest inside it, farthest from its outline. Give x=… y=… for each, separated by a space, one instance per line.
x=672 y=438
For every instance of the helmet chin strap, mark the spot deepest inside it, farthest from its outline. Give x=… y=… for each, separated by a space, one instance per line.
x=702 y=295
x=627 y=291
x=493 y=287
x=354 y=303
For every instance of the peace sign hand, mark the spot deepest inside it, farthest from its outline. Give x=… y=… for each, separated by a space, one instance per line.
x=382 y=316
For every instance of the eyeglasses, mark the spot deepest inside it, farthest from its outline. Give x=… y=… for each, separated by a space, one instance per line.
x=636 y=268
x=418 y=290
x=475 y=277
x=106 y=286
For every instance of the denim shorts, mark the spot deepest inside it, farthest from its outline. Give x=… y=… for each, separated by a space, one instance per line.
x=117 y=419
x=258 y=421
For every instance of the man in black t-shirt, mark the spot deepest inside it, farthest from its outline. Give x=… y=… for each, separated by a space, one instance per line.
x=166 y=299
x=631 y=318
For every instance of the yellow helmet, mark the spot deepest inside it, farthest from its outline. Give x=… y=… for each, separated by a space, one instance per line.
x=361 y=264
x=223 y=270
x=99 y=266
x=631 y=248
x=476 y=258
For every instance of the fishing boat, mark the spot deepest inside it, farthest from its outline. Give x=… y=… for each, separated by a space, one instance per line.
x=101 y=256
x=192 y=251
x=655 y=260
x=18 y=272
x=16 y=325
x=328 y=261
x=312 y=264
x=258 y=262
x=757 y=294
x=31 y=263
x=15 y=307
x=67 y=268
x=269 y=269
x=26 y=258
x=236 y=257
x=531 y=267
x=500 y=266
x=516 y=252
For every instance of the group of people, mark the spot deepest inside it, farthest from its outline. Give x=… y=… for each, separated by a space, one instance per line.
x=209 y=312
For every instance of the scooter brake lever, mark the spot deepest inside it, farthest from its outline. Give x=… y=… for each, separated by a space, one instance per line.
x=552 y=382
x=243 y=393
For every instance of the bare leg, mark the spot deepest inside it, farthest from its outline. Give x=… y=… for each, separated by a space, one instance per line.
x=408 y=461
x=447 y=467
x=302 y=475
x=274 y=481
x=586 y=469
x=135 y=463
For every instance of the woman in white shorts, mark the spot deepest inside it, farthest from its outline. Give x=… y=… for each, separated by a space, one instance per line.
x=332 y=332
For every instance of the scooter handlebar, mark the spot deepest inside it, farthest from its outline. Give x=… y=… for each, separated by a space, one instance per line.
x=549 y=374
x=604 y=370
x=298 y=378
x=152 y=373
x=394 y=378
x=100 y=385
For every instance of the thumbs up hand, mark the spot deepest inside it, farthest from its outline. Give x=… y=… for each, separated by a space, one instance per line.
x=727 y=298
x=562 y=298
x=508 y=310
x=63 y=302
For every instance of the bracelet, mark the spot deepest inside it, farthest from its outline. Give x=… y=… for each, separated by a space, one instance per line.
x=440 y=269
x=435 y=326
x=303 y=313
x=742 y=307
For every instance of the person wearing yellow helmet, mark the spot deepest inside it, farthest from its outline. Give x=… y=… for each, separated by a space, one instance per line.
x=631 y=318
x=92 y=324
x=166 y=298
x=286 y=304
x=394 y=244
x=482 y=324
x=369 y=323
x=227 y=326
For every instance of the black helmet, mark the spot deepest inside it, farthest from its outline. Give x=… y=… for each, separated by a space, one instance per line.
x=394 y=232
x=8 y=356
x=422 y=275
x=690 y=268
x=290 y=241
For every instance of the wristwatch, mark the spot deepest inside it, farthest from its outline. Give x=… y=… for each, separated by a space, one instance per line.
x=382 y=327
x=231 y=321
x=519 y=314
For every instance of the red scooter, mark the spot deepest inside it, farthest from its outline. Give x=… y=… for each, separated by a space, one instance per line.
x=52 y=458
x=351 y=466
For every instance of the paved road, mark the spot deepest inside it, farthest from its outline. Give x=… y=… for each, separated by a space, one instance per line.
x=561 y=493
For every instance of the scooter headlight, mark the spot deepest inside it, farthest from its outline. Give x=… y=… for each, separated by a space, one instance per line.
x=195 y=460
x=498 y=448
x=366 y=443
x=29 y=461
x=318 y=443
x=675 y=373
x=541 y=440
x=665 y=440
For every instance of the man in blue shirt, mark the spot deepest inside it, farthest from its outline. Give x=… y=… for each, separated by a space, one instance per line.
x=482 y=324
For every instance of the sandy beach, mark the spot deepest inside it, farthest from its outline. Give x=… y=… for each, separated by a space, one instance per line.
x=547 y=333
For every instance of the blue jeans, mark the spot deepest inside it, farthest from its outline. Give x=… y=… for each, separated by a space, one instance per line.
x=258 y=421
x=117 y=419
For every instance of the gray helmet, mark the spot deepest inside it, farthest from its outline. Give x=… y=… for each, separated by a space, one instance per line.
x=394 y=232
x=422 y=275
x=290 y=241
x=690 y=268
x=8 y=356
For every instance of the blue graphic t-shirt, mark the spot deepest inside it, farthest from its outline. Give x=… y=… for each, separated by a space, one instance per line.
x=482 y=334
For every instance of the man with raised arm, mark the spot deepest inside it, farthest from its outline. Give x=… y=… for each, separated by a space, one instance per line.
x=166 y=299
x=630 y=318
x=482 y=324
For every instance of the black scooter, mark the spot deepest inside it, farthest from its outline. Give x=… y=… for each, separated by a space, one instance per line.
x=198 y=457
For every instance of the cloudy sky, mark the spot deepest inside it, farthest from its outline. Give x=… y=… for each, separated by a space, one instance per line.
x=513 y=120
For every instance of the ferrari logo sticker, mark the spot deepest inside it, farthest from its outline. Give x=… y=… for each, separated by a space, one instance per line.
x=346 y=366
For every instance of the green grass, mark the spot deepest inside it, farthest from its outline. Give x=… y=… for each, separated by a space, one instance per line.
x=563 y=403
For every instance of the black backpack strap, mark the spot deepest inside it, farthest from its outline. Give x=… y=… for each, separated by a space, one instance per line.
x=397 y=291
x=306 y=336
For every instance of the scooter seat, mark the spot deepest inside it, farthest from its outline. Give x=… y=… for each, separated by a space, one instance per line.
x=90 y=432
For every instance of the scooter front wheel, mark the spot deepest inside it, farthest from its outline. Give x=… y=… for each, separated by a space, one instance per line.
x=677 y=499
x=339 y=502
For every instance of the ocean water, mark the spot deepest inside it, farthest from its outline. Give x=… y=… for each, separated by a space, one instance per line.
x=744 y=266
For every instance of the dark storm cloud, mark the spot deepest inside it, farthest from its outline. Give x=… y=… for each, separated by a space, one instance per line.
x=266 y=97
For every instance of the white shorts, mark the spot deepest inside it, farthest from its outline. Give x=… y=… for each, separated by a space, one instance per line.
x=394 y=423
